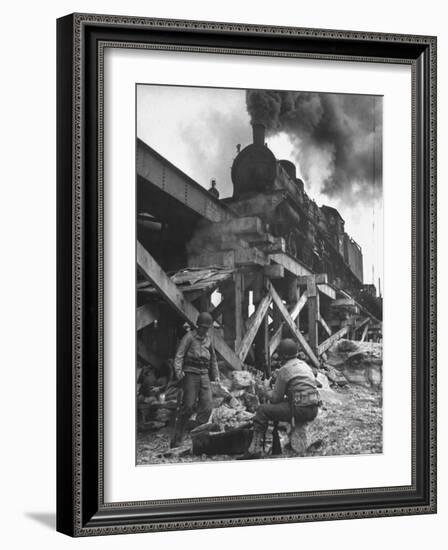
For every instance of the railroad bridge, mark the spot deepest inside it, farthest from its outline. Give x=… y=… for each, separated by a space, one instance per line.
x=195 y=253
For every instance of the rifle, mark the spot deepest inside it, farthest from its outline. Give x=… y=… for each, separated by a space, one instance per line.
x=276 y=445
x=177 y=422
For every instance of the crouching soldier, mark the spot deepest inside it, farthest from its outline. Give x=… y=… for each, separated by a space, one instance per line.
x=195 y=364
x=294 y=397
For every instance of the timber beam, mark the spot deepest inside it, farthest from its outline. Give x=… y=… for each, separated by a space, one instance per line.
x=324 y=325
x=319 y=278
x=290 y=264
x=322 y=348
x=327 y=289
x=313 y=312
x=365 y=331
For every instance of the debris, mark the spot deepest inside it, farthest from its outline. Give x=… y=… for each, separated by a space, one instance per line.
x=242 y=379
x=349 y=421
x=219 y=390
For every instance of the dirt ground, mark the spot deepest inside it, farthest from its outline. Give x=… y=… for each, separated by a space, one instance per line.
x=348 y=423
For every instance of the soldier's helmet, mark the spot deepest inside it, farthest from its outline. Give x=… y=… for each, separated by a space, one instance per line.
x=204 y=320
x=287 y=349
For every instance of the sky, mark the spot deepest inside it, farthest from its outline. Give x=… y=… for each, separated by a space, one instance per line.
x=333 y=139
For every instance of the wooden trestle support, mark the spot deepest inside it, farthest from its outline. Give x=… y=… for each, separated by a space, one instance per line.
x=287 y=301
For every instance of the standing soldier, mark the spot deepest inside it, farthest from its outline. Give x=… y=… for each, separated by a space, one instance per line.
x=195 y=364
x=294 y=397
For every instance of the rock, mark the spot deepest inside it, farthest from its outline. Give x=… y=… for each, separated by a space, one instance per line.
x=217 y=402
x=244 y=416
x=242 y=379
x=251 y=401
x=347 y=346
x=235 y=403
x=365 y=373
x=228 y=417
x=325 y=385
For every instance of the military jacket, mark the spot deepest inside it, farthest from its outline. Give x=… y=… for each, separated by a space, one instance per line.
x=197 y=355
x=294 y=372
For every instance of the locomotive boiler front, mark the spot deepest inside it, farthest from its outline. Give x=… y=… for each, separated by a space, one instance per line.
x=254 y=169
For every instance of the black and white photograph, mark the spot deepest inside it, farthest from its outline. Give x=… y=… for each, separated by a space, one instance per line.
x=259 y=274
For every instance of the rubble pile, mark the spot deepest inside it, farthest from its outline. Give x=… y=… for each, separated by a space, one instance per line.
x=349 y=420
x=353 y=362
x=156 y=403
x=236 y=398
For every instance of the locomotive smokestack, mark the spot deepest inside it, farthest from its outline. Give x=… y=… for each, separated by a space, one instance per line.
x=258 y=131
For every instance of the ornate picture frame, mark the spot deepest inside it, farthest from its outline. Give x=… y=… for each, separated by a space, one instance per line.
x=81 y=43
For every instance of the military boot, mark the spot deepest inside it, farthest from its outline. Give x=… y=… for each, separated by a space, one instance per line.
x=256 y=446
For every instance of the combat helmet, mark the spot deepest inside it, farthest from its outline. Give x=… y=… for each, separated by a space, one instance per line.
x=204 y=320
x=287 y=349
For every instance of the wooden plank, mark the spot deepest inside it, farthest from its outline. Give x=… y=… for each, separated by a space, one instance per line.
x=365 y=331
x=261 y=347
x=290 y=264
x=311 y=287
x=313 y=312
x=154 y=273
x=292 y=327
x=146 y=314
x=324 y=325
x=362 y=323
x=343 y=302
x=238 y=307
x=291 y=291
x=327 y=290
x=276 y=339
x=333 y=338
x=254 y=324
x=299 y=306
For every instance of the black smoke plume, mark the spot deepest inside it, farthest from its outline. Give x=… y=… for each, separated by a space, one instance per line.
x=337 y=138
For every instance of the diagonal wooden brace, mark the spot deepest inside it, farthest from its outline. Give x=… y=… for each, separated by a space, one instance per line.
x=254 y=325
x=155 y=274
x=292 y=326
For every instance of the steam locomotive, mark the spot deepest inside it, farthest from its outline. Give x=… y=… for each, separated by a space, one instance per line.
x=270 y=189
